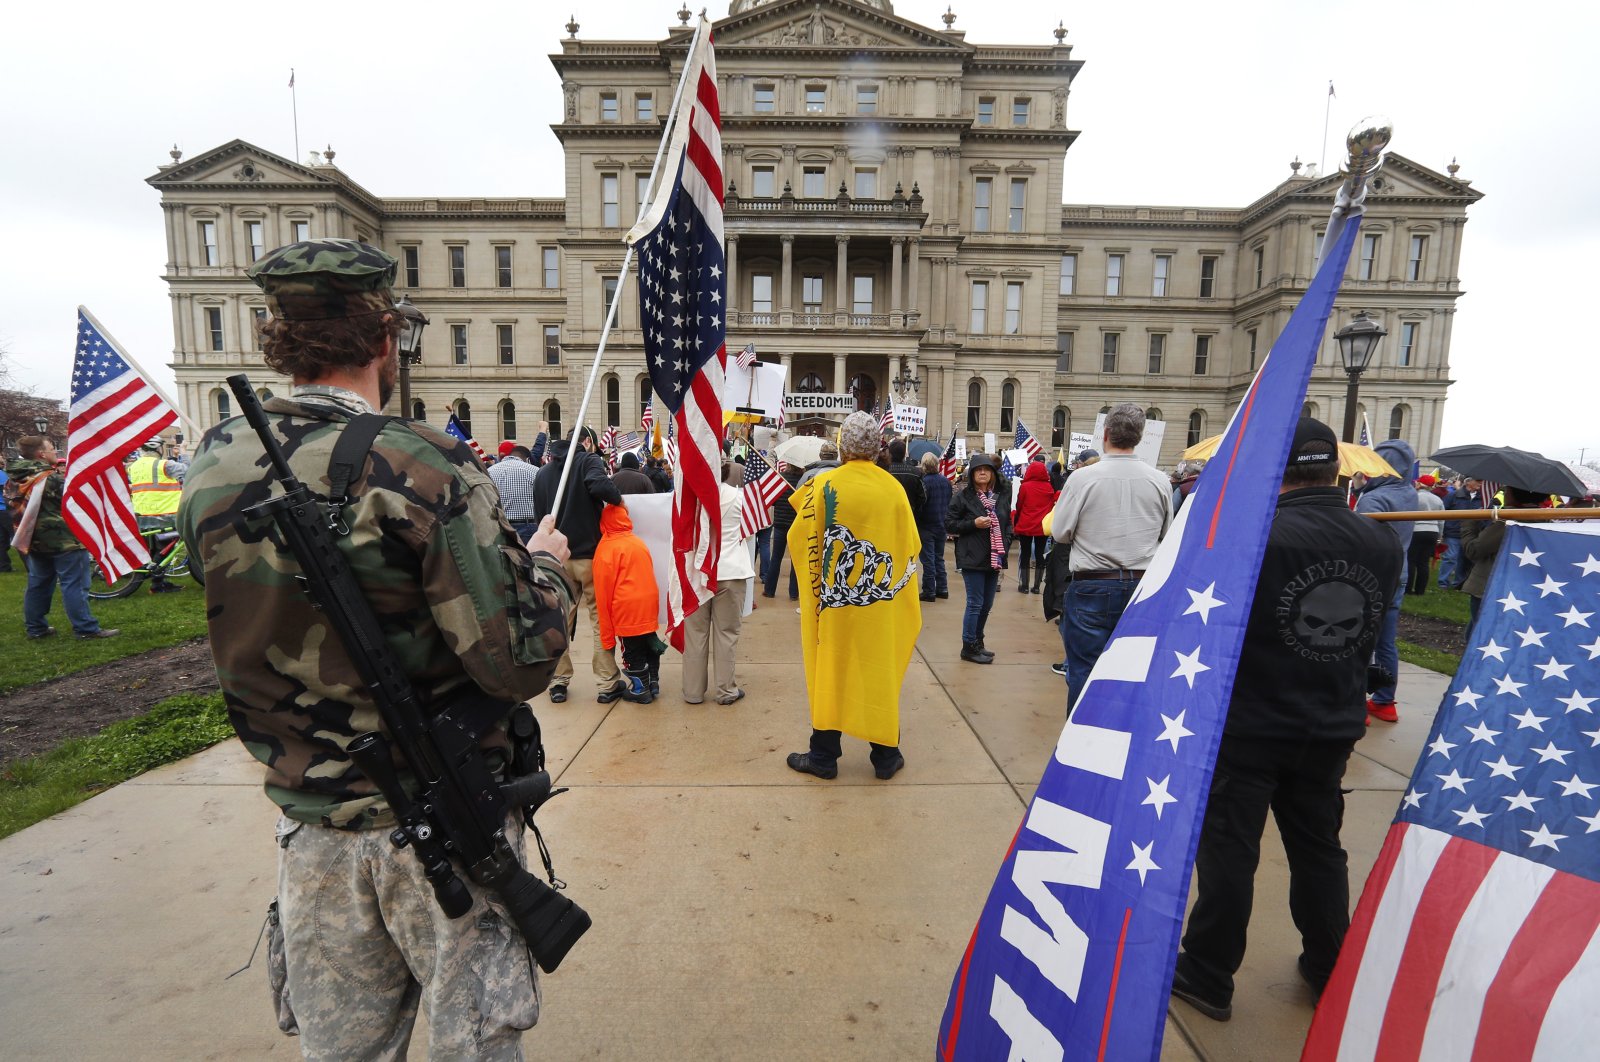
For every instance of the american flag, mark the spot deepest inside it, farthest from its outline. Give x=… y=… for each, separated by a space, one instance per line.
x=453 y=427
x=608 y=447
x=1366 y=433
x=682 y=299
x=1476 y=936
x=747 y=356
x=947 y=462
x=886 y=422
x=649 y=418
x=762 y=487
x=114 y=408
x=1026 y=441
x=1007 y=469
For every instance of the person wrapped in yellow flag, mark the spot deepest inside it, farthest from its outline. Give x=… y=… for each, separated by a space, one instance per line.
x=856 y=541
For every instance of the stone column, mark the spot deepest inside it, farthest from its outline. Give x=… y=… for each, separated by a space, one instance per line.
x=891 y=372
x=897 y=246
x=911 y=276
x=842 y=284
x=733 y=273
x=947 y=384
x=225 y=236
x=838 y=374
x=785 y=299
x=911 y=370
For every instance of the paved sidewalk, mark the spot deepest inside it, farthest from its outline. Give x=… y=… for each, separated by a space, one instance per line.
x=741 y=911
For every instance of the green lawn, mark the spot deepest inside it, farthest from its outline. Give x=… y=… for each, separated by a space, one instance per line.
x=1448 y=605
x=147 y=621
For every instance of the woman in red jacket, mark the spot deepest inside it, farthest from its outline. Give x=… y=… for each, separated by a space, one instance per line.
x=1035 y=498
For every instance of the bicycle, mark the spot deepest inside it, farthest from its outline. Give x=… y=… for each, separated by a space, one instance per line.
x=169 y=559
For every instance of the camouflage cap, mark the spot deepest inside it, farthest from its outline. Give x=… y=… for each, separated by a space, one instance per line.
x=317 y=280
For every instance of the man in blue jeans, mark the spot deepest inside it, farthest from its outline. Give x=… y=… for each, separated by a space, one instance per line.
x=54 y=554
x=1112 y=514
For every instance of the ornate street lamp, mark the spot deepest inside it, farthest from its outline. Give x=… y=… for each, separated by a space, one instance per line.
x=412 y=322
x=1358 y=344
x=908 y=385
x=41 y=425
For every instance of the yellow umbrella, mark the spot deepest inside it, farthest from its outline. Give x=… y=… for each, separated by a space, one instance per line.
x=1352 y=458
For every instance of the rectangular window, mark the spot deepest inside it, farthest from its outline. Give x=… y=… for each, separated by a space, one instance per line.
x=1202 y=355
x=608 y=293
x=502 y=266
x=1369 y=256
x=816 y=99
x=1208 y=276
x=1113 y=274
x=260 y=316
x=552 y=267
x=609 y=109
x=1019 y=111
x=866 y=184
x=1158 y=353
x=609 y=211
x=811 y=294
x=644 y=108
x=980 y=308
x=1419 y=251
x=862 y=301
x=301 y=231
x=814 y=182
x=1019 y=204
x=1064 y=351
x=974 y=407
x=1013 y=307
x=764 y=181
x=1069 y=274
x=458 y=344
x=982 y=200
x=1158 y=283
x=252 y=239
x=1109 y=348
x=866 y=99
x=986 y=110
x=208 y=243
x=214 y=326
x=505 y=341
x=761 y=293
x=1260 y=263
x=458 y=266
x=408 y=257
x=766 y=99
x=641 y=189
x=1408 y=343
x=1251 y=335
x=552 y=344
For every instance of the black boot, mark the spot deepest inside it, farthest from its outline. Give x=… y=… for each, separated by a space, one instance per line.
x=988 y=657
x=1022 y=582
x=969 y=651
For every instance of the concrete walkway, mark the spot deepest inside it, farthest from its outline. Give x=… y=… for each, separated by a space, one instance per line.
x=741 y=911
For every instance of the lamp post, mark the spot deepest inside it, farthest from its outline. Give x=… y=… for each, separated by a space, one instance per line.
x=907 y=385
x=1358 y=342
x=412 y=322
x=41 y=425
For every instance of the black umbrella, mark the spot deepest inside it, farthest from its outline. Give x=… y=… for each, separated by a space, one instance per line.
x=1510 y=466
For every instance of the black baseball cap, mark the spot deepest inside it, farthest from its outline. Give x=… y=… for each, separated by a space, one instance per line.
x=1314 y=445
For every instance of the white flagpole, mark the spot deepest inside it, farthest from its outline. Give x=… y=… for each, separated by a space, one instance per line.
x=294 y=104
x=627 y=261
x=136 y=367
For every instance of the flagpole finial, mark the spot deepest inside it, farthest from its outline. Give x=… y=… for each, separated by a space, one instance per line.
x=1365 y=144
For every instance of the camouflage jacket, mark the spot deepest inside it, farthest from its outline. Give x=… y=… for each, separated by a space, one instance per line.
x=461 y=601
x=50 y=534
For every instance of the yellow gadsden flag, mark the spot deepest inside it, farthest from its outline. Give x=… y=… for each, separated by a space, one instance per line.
x=856 y=542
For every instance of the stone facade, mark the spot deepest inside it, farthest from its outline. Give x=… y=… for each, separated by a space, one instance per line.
x=894 y=213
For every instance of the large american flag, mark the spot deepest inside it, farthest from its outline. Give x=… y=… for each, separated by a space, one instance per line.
x=1026 y=441
x=682 y=302
x=452 y=426
x=762 y=487
x=1476 y=936
x=114 y=408
x=947 y=462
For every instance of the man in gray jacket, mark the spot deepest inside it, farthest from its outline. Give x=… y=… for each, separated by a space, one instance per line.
x=1391 y=494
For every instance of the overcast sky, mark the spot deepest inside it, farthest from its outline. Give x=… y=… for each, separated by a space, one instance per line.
x=1178 y=103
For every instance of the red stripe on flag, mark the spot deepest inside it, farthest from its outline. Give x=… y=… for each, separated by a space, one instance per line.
x=1542 y=954
x=1238 y=441
x=702 y=159
x=705 y=90
x=1111 y=996
x=1327 y=1027
x=1455 y=879
x=961 y=997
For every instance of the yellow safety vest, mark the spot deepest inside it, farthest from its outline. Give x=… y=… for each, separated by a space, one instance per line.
x=154 y=492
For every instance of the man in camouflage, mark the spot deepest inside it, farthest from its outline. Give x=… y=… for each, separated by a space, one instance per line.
x=463 y=604
x=54 y=555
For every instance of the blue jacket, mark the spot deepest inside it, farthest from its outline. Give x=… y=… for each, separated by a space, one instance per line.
x=1460 y=500
x=937 y=509
x=1393 y=494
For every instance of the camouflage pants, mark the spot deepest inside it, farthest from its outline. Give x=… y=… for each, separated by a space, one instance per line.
x=366 y=944
x=604 y=661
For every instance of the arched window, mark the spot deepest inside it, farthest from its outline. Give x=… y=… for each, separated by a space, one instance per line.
x=223 y=403
x=811 y=383
x=975 y=405
x=1060 y=422
x=508 y=419
x=1152 y=414
x=552 y=413
x=418 y=410
x=1008 y=406
x=265 y=394
x=464 y=416
x=1397 y=427
x=613 y=402
x=1197 y=426
x=1308 y=410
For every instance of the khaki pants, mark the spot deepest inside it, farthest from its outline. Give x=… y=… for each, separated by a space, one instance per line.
x=366 y=944
x=604 y=661
x=713 y=629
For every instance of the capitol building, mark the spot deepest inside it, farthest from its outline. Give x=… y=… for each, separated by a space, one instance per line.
x=895 y=227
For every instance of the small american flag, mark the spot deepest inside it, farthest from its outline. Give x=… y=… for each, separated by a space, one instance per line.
x=886 y=422
x=947 y=462
x=747 y=356
x=608 y=448
x=1366 y=432
x=649 y=418
x=453 y=427
x=114 y=409
x=762 y=487
x=1478 y=934
x=1026 y=441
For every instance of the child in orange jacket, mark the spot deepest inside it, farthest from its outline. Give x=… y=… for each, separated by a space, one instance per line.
x=626 y=597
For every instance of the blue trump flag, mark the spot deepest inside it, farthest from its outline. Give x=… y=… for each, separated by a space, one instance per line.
x=1072 y=957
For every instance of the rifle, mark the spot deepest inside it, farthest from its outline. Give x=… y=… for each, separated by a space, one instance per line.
x=460 y=809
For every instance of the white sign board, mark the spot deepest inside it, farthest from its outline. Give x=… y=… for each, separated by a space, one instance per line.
x=910 y=420
x=818 y=403
x=1079 y=442
x=652 y=521
x=988 y=442
x=1149 y=448
x=961 y=448
x=1018 y=459
x=758 y=389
